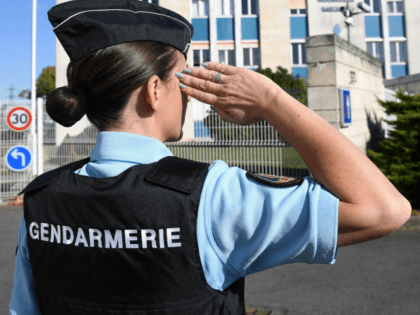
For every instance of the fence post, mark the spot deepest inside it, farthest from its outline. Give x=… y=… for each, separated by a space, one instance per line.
x=40 y=113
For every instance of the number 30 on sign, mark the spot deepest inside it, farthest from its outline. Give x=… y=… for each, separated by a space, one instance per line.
x=19 y=119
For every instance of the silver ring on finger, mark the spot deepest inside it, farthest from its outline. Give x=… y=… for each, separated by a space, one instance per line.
x=217 y=77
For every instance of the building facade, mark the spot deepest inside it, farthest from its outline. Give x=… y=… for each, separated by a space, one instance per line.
x=271 y=33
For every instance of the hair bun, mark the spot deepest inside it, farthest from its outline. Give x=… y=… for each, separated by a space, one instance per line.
x=66 y=106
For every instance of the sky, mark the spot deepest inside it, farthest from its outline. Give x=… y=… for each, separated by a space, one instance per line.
x=16 y=44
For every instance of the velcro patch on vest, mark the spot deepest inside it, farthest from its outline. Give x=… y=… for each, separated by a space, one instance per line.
x=273 y=180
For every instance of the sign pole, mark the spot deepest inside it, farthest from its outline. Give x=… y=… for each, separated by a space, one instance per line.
x=33 y=94
x=40 y=155
x=348 y=33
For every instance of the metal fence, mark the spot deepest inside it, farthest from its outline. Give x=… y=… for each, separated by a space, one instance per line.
x=258 y=147
x=390 y=96
x=11 y=182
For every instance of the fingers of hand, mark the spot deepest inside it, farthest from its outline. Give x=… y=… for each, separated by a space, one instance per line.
x=200 y=85
x=206 y=75
x=222 y=68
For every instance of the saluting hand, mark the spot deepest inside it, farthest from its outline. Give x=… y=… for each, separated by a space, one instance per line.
x=16 y=201
x=242 y=97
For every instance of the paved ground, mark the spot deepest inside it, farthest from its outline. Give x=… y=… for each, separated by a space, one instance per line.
x=379 y=277
x=9 y=227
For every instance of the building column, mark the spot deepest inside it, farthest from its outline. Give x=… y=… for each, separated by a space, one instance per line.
x=239 y=53
x=183 y=7
x=412 y=26
x=214 y=54
x=274 y=23
x=62 y=60
x=385 y=34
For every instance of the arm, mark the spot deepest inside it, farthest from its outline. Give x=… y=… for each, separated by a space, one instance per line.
x=16 y=201
x=370 y=206
x=23 y=298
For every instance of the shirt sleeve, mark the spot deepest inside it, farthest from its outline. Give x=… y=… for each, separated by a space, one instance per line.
x=252 y=226
x=23 y=300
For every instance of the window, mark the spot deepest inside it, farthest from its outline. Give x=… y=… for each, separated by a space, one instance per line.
x=249 y=7
x=252 y=54
x=247 y=57
x=395 y=6
x=225 y=8
x=201 y=56
x=400 y=7
x=375 y=5
x=227 y=57
x=297 y=11
x=256 y=57
x=376 y=49
x=298 y=53
x=398 y=51
x=200 y=8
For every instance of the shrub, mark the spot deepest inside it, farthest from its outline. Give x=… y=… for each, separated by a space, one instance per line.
x=399 y=157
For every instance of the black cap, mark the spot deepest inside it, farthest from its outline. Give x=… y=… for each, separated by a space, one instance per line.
x=84 y=26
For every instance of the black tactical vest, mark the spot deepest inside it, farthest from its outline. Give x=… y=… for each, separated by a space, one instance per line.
x=122 y=245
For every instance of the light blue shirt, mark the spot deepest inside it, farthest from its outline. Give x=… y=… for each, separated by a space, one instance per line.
x=243 y=226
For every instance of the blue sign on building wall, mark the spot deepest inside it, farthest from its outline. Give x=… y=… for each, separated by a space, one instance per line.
x=345 y=107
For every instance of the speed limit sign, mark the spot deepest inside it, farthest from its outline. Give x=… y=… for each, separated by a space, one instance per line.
x=19 y=119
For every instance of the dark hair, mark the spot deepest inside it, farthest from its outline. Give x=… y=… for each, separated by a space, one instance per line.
x=101 y=83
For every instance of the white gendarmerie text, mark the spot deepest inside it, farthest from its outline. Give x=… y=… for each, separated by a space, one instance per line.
x=146 y=238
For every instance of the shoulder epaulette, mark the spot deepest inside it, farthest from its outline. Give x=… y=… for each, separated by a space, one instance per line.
x=276 y=181
x=46 y=178
x=176 y=173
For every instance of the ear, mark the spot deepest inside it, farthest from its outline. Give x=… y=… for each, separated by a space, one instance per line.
x=152 y=92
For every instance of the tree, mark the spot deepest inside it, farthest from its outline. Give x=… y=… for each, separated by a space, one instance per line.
x=261 y=131
x=26 y=94
x=45 y=84
x=287 y=82
x=399 y=157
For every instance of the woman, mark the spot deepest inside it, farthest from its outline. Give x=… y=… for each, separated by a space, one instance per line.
x=132 y=229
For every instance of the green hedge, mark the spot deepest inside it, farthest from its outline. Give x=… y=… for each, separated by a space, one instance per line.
x=399 y=158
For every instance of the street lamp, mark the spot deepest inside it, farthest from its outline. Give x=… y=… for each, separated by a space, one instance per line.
x=348 y=14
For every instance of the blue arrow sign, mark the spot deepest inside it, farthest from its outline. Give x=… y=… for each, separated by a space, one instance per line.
x=345 y=107
x=18 y=158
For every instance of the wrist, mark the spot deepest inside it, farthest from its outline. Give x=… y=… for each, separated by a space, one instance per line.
x=274 y=100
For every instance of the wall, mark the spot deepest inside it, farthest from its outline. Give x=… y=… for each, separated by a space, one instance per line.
x=183 y=7
x=274 y=20
x=412 y=22
x=330 y=60
x=61 y=62
x=322 y=22
x=409 y=83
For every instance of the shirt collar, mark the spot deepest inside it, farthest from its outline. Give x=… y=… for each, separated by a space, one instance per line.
x=128 y=147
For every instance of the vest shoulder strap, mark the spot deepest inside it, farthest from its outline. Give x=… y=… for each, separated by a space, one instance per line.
x=46 y=178
x=177 y=173
x=170 y=172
